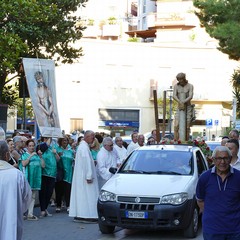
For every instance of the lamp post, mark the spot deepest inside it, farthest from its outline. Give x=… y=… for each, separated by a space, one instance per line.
x=170 y=94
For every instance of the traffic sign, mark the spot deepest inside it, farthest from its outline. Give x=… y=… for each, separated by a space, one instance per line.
x=209 y=123
x=216 y=122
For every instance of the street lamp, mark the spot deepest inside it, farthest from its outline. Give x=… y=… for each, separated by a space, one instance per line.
x=170 y=95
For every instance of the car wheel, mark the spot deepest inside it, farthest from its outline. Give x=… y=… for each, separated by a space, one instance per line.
x=192 y=229
x=105 y=229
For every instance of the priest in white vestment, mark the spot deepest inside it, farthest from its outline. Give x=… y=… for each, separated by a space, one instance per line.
x=15 y=197
x=84 y=192
x=107 y=157
x=121 y=150
x=133 y=144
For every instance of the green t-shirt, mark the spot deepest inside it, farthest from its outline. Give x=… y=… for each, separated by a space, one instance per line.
x=33 y=171
x=66 y=162
x=50 y=169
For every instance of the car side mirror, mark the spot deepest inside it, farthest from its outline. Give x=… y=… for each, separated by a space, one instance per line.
x=113 y=170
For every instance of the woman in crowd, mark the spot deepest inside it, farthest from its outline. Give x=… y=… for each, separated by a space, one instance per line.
x=12 y=160
x=65 y=173
x=31 y=164
x=95 y=148
x=49 y=173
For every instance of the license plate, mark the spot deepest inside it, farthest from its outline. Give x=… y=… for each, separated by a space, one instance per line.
x=134 y=214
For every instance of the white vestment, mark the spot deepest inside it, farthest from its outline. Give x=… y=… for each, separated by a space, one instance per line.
x=131 y=147
x=105 y=160
x=122 y=152
x=84 y=196
x=15 y=196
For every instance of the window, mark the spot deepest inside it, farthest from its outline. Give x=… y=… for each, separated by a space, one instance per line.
x=200 y=163
x=119 y=114
x=76 y=124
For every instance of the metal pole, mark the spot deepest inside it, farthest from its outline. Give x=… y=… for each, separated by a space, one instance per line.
x=24 y=105
x=234 y=111
x=170 y=112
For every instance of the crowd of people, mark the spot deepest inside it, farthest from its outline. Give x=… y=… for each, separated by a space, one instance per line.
x=67 y=172
x=72 y=172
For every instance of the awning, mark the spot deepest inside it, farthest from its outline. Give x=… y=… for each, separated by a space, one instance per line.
x=142 y=33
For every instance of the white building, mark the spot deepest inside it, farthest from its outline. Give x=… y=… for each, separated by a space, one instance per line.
x=109 y=88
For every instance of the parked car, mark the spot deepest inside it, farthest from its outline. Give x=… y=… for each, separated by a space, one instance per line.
x=154 y=189
x=167 y=135
x=213 y=144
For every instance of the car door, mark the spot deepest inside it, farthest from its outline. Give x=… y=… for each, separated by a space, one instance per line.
x=201 y=162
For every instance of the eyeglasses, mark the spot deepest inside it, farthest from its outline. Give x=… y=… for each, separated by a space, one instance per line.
x=225 y=159
x=110 y=145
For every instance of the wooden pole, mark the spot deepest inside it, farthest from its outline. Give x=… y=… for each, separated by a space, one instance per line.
x=164 y=113
x=156 y=115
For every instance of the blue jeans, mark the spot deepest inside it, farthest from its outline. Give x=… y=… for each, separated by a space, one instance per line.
x=209 y=236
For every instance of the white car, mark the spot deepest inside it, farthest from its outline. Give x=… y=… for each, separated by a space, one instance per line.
x=154 y=189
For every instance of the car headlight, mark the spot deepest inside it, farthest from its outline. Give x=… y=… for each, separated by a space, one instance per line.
x=105 y=196
x=174 y=199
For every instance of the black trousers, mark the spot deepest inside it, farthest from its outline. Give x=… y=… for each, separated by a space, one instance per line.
x=46 y=191
x=62 y=189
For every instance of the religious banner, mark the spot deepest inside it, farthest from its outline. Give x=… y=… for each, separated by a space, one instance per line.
x=40 y=76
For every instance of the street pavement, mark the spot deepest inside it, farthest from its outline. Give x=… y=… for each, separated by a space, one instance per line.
x=61 y=226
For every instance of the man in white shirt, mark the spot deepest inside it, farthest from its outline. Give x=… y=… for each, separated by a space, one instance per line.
x=133 y=144
x=233 y=146
x=235 y=135
x=107 y=157
x=121 y=150
x=15 y=197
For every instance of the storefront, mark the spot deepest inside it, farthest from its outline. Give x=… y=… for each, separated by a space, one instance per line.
x=119 y=121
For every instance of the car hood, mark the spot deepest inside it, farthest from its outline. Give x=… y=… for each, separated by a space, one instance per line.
x=148 y=185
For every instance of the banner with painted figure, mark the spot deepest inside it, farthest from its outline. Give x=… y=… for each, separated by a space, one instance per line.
x=40 y=77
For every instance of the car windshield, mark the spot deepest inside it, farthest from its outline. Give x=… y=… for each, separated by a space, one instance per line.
x=158 y=162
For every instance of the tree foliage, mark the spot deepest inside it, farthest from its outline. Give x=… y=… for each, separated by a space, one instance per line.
x=221 y=20
x=174 y=107
x=235 y=81
x=32 y=28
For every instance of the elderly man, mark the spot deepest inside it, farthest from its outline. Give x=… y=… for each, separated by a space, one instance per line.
x=15 y=197
x=133 y=144
x=84 y=193
x=18 y=147
x=107 y=157
x=218 y=196
x=141 y=140
x=121 y=150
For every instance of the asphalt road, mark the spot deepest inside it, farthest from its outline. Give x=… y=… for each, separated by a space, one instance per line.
x=61 y=226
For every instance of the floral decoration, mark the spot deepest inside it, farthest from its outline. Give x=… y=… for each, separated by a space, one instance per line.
x=201 y=144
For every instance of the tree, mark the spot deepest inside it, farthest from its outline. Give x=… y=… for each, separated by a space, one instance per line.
x=221 y=21
x=174 y=106
x=235 y=81
x=30 y=28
